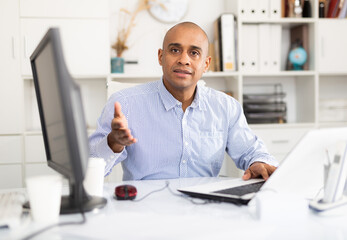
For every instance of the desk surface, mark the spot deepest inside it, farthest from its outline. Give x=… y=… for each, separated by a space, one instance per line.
x=164 y=215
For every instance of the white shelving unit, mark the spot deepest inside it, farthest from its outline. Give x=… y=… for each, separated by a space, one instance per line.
x=326 y=77
x=85 y=32
x=88 y=29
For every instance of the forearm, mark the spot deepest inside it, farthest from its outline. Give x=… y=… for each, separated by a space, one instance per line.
x=99 y=148
x=115 y=147
x=243 y=146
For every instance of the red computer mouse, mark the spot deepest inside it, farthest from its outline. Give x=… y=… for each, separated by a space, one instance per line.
x=125 y=192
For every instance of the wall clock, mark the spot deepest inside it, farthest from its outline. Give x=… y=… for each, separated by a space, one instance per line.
x=168 y=11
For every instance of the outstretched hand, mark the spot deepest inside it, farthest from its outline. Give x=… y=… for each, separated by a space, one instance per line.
x=258 y=169
x=120 y=135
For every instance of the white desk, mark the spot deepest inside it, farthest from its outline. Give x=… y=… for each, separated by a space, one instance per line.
x=165 y=216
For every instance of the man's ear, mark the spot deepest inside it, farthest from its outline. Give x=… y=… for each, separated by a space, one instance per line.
x=207 y=63
x=160 y=56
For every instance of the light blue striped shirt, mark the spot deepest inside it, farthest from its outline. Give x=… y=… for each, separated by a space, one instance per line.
x=172 y=143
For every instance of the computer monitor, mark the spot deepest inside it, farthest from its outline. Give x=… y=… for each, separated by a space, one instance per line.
x=62 y=121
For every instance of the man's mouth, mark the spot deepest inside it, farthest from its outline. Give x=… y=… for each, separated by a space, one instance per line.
x=182 y=72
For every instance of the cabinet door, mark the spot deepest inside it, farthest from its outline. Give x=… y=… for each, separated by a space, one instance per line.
x=34 y=149
x=333 y=45
x=11 y=90
x=85 y=43
x=64 y=8
x=11 y=149
x=280 y=142
x=11 y=176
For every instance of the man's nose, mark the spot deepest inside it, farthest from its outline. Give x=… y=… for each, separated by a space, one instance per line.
x=184 y=59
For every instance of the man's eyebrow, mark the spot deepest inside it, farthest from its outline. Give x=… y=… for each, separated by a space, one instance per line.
x=175 y=45
x=196 y=48
x=180 y=45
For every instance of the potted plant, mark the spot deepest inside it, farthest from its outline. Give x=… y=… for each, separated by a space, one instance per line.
x=124 y=31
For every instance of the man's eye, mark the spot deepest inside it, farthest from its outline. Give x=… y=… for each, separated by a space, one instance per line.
x=175 y=50
x=195 y=53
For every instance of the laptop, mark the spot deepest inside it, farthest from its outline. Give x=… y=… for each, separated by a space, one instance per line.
x=301 y=173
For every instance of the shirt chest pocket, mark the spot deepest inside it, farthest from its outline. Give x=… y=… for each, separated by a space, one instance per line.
x=212 y=147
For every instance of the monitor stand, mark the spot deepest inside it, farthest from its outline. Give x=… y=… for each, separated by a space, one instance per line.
x=79 y=200
x=88 y=204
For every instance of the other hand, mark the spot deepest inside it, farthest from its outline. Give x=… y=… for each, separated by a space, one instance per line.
x=258 y=169
x=120 y=135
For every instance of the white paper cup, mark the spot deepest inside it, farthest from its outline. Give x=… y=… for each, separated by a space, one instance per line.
x=94 y=179
x=45 y=197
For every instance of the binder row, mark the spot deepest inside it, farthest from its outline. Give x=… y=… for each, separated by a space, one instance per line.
x=261 y=48
x=260 y=9
x=225 y=43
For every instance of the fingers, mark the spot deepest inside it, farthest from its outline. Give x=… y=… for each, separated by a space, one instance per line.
x=259 y=169
x=120 y=134
x=124 y=137
x=247 y=175
x=264 y=173
x=270 y=169
x=118 y=123
x=117 y=110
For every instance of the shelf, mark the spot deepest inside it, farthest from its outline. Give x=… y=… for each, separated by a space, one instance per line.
x=39 y=132
x=104 y=77
x=138 y=77
x=286 y=22
x=332 y=124
x=9 y=134
x=32 y=132
x=124 y=76
x=282 y=125
x=132 y=76
x=220 y=74
x=331 y=19
x=333 y=74
x=279 y=74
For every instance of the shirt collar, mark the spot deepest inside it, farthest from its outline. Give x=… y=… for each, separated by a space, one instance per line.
x=170 y=102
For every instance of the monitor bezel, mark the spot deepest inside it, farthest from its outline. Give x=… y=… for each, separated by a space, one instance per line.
x=75 y=161
x=78 y=199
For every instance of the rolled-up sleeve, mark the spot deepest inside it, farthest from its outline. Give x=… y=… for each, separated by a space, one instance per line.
x=243 y=146
x=98 y=146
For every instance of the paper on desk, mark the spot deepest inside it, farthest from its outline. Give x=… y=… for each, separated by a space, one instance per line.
x=139 y=226
x=302 y=171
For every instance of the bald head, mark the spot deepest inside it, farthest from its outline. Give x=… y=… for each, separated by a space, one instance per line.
x=186 y=25
x=184 y=58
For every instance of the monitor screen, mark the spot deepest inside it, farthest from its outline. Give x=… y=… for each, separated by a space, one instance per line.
x=62 y=121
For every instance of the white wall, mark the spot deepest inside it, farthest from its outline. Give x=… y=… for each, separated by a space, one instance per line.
x=146 y=37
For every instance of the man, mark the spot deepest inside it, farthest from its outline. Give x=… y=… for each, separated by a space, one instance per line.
x=175 y=127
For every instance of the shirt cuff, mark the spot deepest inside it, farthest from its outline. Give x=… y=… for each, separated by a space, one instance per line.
x=268 y=160
x=110 y=157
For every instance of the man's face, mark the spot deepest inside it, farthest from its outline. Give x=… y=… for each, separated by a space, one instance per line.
x=183 y=58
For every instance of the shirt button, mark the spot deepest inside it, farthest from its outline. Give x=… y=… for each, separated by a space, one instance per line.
x=184 y=161
x=186 y=143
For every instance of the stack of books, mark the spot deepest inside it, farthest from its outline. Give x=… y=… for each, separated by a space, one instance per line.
x=335 y=8
x=266 y=107
x=223 y=49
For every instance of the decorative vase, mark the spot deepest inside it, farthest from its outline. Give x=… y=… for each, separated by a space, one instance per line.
x=117 y=65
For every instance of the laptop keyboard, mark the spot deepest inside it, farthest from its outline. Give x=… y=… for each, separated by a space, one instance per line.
x=242 y=190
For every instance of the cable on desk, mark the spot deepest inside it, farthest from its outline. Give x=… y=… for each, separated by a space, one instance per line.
x=150 y=193
x=192 y=200
x=84 y=220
